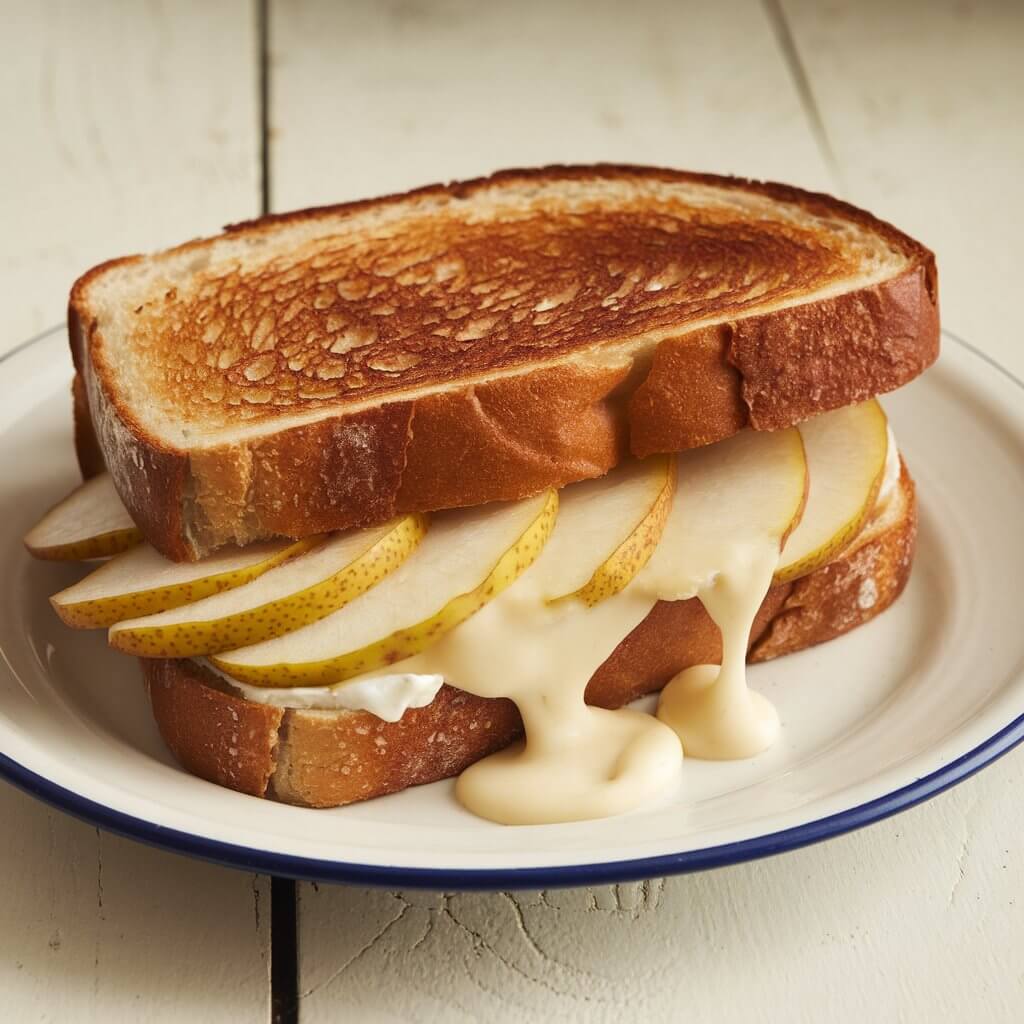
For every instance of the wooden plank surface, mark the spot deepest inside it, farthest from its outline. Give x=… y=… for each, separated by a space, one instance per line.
x=125 y=126
x=924 y=108
x=372 y=97
x=913 y=919
x=916 y=919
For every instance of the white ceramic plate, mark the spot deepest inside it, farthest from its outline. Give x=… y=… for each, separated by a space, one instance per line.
x=873 y=722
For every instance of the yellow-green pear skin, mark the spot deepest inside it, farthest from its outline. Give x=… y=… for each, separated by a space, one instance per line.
x=868 y=424
x=90 y=522
x=101 y=612
x=415 y=638
x=105 y=545
x=284 y=615
x=619 y=569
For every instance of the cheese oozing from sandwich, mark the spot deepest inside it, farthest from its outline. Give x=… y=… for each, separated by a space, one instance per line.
x=577 y=761
x=390 y=695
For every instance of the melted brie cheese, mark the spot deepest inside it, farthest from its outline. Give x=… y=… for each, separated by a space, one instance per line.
x=891 y=473
x=386 y=696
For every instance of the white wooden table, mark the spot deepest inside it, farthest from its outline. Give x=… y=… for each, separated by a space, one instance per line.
x=127 y=126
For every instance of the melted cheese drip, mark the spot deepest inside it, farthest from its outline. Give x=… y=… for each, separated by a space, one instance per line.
x=577 y=761
x=891 y=474
x=710 y=707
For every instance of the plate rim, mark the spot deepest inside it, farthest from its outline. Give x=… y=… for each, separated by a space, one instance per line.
x=251 y=858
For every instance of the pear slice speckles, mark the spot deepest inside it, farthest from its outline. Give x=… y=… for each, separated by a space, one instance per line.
x=141 y=581
x=846 y=451
x=468 y=557
x=301 y=591
x=618 y=518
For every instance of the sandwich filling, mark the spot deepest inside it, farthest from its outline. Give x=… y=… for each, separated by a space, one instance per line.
x=341 y=458
x=578 y=761
x=891 y=473
x=389 y=695
x=525 y=600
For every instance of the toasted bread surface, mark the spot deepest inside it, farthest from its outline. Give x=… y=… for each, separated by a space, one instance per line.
x=330 y=758
x=481 y=341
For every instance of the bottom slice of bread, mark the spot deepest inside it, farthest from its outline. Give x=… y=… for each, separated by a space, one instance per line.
x=329 y=758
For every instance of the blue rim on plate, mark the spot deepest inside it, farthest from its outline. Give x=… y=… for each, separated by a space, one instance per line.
x=314 y=869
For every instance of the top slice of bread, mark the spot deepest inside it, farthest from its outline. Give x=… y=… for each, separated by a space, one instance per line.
x=480 y=341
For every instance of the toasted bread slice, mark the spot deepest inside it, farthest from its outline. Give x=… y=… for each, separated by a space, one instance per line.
x=329 y=758
x=480 y=341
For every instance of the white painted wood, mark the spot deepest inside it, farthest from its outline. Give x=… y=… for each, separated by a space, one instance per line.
x=125 y=126
x=913 y=919
x=375 y=97
x=97 y=928
x=924 y=107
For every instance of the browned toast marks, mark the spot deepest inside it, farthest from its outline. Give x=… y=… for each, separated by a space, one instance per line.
x=342 y=319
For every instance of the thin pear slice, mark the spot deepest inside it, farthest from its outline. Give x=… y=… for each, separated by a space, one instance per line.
x=467 y=558
x=731 y=497
x=618 y=518
x=846 y=452
x=141 y=581
x=89 y=523
x=303 y=590
x=737 y=502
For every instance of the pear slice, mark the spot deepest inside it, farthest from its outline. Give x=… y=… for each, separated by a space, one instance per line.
x=747 y=490
x=736 y=504
x=620 y=516
x=89 y=523
x=467 y=558
x=846 y=452
x=141 y=581
x=303 y=590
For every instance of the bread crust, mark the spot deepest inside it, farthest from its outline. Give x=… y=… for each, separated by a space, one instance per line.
x=772 y=371
x=538 y=426
x=326 y=759
x=87 y=448
x=212 y=734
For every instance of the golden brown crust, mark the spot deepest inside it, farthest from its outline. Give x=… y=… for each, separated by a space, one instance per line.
x=777 y=369
x=152 y=480
x=513 y=436
x=663 y=415
x=302 y=481
x=807 y=359
x=87 y=448
x=331 y=759
x=325 y=759
x=818 y=203
x=212 y=734
x=533 y=296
